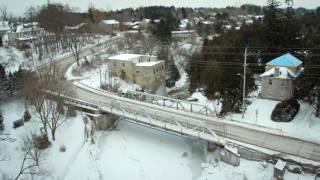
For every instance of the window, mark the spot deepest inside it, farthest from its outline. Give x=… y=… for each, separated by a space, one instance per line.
x=137 y=72
x=123 y=64
x=154 y=71
x=270 y=81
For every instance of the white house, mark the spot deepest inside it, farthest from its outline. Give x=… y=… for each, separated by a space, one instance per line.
x=277 y=80
x=110 y=25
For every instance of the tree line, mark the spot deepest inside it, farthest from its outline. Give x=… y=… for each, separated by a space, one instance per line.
x=217 y=67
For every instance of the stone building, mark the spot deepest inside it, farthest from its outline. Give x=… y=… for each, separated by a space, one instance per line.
x=146 y=71
x=277 y=82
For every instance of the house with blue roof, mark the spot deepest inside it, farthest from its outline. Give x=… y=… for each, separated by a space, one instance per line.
x=277 y=80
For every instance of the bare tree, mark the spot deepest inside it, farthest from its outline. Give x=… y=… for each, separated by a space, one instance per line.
x=76 y=43
x=32 y=158
x=46 y=93
x=4 y=13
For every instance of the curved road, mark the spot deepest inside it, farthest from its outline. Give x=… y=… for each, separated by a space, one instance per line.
x=256 y=136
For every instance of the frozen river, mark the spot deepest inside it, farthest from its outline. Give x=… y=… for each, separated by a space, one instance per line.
x=129 y=151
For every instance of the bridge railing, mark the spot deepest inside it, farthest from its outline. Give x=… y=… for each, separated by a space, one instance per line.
x=157 y=100
x=194 y=128
x=72 y=101
x=170 y=102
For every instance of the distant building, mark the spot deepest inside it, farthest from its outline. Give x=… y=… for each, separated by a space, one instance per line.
x=110 y=25
x=25 y=33
x=277 y=80
x=184 y=23
x=4 y=28
x=183 y=34
x=135 y=25
x=146 y=71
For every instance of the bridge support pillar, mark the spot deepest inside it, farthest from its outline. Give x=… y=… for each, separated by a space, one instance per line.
x=230 y=155
x=211 y=147
x=104 y=121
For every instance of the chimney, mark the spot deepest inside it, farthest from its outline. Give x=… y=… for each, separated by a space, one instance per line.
x=276 y=71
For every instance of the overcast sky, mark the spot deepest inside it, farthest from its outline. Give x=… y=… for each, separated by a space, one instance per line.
x=19 y=6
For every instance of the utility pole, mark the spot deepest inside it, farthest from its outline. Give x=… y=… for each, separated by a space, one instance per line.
x=244 y=81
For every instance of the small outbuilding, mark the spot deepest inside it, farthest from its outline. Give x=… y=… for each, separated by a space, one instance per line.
x=277 y=82
x=279 y=170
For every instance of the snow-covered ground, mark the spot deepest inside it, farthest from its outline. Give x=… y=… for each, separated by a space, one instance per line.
x=12 y=58
x=213 y=105
x=181 y=57
x=99 y=75
x=128 y=152
x=305 y=125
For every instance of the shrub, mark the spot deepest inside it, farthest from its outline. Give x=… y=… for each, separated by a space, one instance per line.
x=26 y=116
x=62 y=148
x=285 y=111
x=18 y=123
x=71 y=112
x=60 y=108
x=1 y=122
x=41 y=142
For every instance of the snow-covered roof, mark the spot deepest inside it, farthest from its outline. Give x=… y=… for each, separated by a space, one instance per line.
x=125 y=57
x=148 y=63
x=182 y=32
x=136 y=27
x=183 y=23
x=110 y=21
x=280 y=165
x=147 y=20
x=284 y=73
x=286 y=60
x=26 y=38
x=75 y=27
x=4 y=26
x=207 y=22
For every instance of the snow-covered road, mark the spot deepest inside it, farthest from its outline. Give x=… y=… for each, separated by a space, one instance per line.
x=250 y=134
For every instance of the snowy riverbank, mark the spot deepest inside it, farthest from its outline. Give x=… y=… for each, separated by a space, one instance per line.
x=128 y=152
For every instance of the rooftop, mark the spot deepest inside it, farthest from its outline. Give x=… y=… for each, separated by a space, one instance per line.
x=148 y=63
x=280 y=165
x=286 y=60
x=125 y=57
x=111 y=21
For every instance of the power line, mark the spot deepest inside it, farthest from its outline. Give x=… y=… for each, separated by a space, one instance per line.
x=262 y=47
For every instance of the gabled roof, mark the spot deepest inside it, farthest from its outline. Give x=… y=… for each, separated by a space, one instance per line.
x=286 y=60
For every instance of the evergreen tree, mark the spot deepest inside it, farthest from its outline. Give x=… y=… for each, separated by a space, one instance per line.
x=2 y=72
x=162 y=32
x=1 y=122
